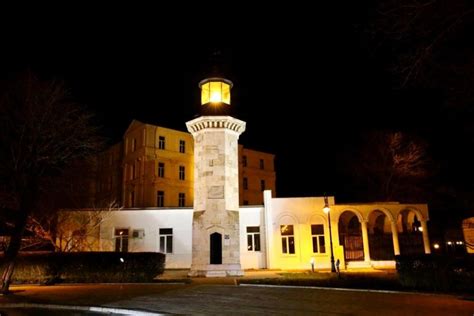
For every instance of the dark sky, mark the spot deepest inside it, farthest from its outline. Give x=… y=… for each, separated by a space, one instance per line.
x=305 y=80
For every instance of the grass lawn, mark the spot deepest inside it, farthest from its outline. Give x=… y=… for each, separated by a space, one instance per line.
x=376 y=281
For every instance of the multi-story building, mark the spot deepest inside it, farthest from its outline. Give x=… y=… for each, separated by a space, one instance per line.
x=153 y=167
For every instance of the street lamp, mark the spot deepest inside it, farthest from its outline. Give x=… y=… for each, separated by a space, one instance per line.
x=327 y=210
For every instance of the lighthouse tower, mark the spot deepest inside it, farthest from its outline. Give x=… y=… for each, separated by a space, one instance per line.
x=216 y=246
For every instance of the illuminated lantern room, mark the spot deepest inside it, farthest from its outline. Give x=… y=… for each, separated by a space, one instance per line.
x=215 y=91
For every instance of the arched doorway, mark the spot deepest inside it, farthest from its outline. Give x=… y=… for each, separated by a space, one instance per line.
x=216 y=248
x=380 y=236
x=350 y=236
x=410 y=234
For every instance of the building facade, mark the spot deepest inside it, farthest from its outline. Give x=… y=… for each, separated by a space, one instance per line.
x=154 y=167
x=285 y=233
x=164 y=172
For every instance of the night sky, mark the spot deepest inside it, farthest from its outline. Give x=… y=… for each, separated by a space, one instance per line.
x=307 y=87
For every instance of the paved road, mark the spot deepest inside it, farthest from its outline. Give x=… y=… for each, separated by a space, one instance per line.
x=205 y=298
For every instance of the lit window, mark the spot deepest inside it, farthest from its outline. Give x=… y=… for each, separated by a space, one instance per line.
x=246 y=184
x=181 y=173
x=161 y=142
x=317 y=233
x=181 y=199
x=161 y=169
x=160 y=198
x=215 y=91
x=182 y=146
x=166 y=240
x=253 y=238
x=287 y=239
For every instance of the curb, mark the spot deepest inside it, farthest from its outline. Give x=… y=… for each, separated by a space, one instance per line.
x=99 y=309
x=343 y=289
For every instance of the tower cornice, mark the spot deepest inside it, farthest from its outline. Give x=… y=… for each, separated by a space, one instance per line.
x=216 y=122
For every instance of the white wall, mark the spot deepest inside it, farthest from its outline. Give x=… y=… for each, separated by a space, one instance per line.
x=151 y=220
x=252 y=216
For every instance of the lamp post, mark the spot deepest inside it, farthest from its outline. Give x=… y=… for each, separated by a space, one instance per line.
x=327 y=210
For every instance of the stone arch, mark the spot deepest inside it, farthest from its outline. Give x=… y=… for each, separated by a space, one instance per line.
x=409 y=231
x=350 y=234
x=380 y=234
x=281 y=216
x=353 y=210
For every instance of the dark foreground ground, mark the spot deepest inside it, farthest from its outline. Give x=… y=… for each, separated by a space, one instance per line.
x=222 y=296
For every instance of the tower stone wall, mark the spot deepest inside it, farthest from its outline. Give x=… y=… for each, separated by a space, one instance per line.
x=216 y=196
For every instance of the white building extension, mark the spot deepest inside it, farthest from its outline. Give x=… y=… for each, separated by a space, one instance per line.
x=285 y=233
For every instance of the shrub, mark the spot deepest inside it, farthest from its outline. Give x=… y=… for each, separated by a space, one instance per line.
x=436 y=272
x=88 y=267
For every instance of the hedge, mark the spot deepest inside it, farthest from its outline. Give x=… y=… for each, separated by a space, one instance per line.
x=87 y=267
x=439 y=273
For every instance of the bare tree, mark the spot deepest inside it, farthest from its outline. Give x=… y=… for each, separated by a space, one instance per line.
x=41 y=131
x=392 y=165
x=71 y=229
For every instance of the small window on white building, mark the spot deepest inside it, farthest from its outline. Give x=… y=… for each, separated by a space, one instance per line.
x=287 y=239
x=317 y=233
x=121 y=239
x=166 y=240
x=138 y=233
x=253 y=238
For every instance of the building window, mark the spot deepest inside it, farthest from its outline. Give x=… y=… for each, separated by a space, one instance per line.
x=244 y=161
x=182 y=146
x=253 y=238
x=121 y=239
x=132 y=171
x=161 y=142
x=181 y=199
x=134 y=144
x=246 y=184
x=246 y=202
x=132 y=199
x=181 y=173
x=317 y=233
x=287 y=239
x=161 y=169
x=262 y=185
x=262 y=166
x=160 y=198
x=166 y=240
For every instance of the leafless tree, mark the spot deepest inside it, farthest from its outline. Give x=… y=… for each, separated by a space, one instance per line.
x=71 y=229
x=42 y=131
x=393 y=166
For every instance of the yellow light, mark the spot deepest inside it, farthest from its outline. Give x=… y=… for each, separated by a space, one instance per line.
x=216 y=96
x=436 y=246
x=215 y=90
x=420 y=228
x=326 y=209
